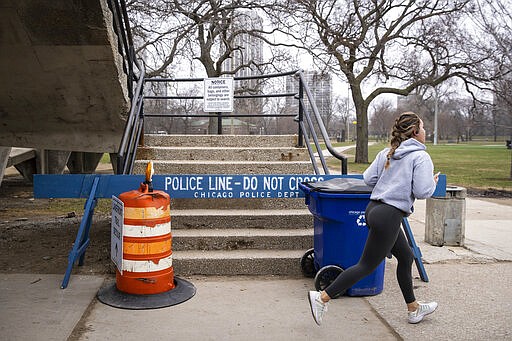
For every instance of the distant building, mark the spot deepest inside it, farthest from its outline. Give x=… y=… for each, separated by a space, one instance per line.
x=320 y=85
x=249 y=49
x=244 y=61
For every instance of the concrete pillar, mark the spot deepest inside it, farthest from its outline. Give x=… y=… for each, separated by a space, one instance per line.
x=27 y=168
x=113 y=161
x=83 y=162
x=4 y=157
x=445 y=220
x=52 y=161
x=24 y=159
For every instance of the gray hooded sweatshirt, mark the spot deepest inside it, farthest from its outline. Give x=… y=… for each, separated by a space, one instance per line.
x=408 y=177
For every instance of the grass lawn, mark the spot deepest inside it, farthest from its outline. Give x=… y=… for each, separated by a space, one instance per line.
x=481 y=165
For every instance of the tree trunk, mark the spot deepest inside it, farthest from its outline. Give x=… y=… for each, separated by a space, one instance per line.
x=362 y=129
x=213 y=126
x=511 y=163
x=362 y=139
x=209 y=66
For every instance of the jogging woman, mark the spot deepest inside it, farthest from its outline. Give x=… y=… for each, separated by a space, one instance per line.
x=399 y=175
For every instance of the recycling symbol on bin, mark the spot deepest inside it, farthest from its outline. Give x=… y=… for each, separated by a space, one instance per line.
x=361 y=221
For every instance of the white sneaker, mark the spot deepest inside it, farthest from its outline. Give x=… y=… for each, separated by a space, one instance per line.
x=318 y=307
x=423 y=310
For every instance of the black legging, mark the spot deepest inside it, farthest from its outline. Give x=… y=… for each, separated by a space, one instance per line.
x=384 y=235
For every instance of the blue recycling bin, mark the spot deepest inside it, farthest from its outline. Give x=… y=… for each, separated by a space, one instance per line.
x=338 y=206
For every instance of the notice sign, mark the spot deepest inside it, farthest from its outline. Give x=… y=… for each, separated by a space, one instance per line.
x=116 y=235
x=218 y=95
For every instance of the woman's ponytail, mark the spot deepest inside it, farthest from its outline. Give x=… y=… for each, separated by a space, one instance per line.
x=406 y=125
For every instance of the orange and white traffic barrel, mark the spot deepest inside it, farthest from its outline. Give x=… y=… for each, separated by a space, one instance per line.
x=147 y=241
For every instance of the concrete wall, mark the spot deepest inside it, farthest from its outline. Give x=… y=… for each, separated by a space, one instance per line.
x=63 y=86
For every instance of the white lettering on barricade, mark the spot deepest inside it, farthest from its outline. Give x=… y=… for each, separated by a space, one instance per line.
x=288 y=194
x=295 y=181
x=222 y=186
x=273 y=183
x=213 y=195
x=255 y=195
x=250 y=183
x=220 y=183
x=183 y=183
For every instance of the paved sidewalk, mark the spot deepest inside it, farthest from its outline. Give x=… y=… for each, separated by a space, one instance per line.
x=33 y=307
x=251 y=308
x=471 y=285
x=488 y=233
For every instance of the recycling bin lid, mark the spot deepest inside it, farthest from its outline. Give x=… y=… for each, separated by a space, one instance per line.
x=340 y=185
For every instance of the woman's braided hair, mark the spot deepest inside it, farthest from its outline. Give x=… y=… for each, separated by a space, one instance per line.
x=406 y=125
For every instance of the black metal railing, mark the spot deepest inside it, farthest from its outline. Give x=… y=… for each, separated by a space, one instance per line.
x=133 y=131
x=310 y=129
x=220 y=116
x=308 y=117
x=135 y=82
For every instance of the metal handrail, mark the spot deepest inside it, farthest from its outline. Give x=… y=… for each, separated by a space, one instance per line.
x=271 y=75
x=235 y=96
x=316 y=114
x=304 y=118
x=133 y=131
x=135 y=120
x=219 y=116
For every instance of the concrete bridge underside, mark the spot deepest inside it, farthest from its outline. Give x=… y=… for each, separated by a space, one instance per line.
x=63 y=88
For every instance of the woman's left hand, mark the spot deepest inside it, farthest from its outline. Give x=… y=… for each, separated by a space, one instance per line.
x=436 y=177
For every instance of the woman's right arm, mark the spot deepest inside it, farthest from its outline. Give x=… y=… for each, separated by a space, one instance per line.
x=372 y=174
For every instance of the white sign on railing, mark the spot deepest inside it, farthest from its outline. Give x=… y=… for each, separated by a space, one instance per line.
x=116 y=235
x=218 y=95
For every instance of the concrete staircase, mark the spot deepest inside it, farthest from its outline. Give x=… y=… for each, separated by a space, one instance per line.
x=233 y=236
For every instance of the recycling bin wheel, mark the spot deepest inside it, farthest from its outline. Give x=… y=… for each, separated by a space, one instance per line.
x=307 y=264
x=325 y=276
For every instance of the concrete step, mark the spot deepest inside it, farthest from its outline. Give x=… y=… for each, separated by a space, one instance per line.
x=222 y=204
x=248 y=236
x=248 y=219
x=223 y=153
x=239 y=141
x=238 y=262
x=242 y=238
x=224 y=167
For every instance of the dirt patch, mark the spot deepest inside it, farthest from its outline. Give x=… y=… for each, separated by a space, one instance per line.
x=36 y=235
x=492 y=195
x=489 y=193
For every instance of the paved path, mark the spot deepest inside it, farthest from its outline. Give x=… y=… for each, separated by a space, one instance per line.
x=471 y=284
x=341 y=149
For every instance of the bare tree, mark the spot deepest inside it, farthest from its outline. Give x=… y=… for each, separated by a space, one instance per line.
x=424 y=100
x=382 y=119
x=187 y=108
x=494 y=18
x=212 y=33
x=451 y=121
x=341 y=111
x=382 y=46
